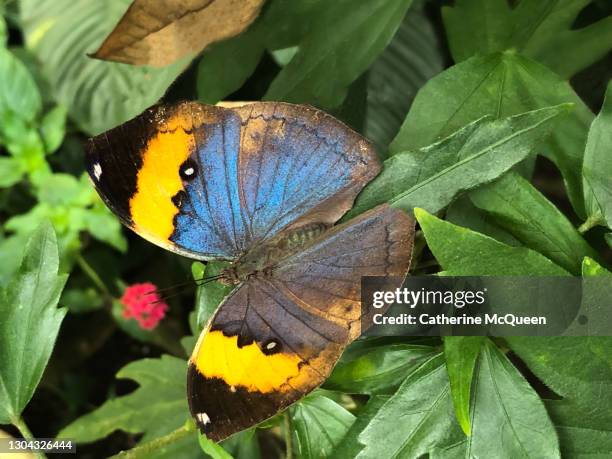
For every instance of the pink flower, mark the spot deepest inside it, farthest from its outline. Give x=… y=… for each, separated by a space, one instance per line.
x=142 y=303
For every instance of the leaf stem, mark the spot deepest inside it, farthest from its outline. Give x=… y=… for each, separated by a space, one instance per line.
x=590 y=222
x=92 y=274
x=147 y=449
x=288 y=435
x=24 y=430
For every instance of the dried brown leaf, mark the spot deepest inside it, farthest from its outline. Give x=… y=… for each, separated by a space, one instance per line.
x=157 y=33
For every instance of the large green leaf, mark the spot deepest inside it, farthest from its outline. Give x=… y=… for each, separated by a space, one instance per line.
x=542 y=29
x=99 y=95
x=519 y=208
x=413 y=57
x=340 y=45
x=30 y=322
x=463 y=252
x=156 y=408
x=432 y=177
x=579 y=369
x=461 y=354
x=500 y=85
x=320 y=424
x=415 y=419
x=376 y=370
x=597 y=167
x=508 y=418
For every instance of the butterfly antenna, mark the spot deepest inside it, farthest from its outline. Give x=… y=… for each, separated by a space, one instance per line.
x=181 y=289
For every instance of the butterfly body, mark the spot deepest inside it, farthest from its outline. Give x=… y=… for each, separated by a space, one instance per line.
x=260 y=185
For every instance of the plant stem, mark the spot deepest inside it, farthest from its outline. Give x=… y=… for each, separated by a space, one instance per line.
x=288 y=435
x=146 y=449
x=590 y=222
x=25 y=433
x=92 y=274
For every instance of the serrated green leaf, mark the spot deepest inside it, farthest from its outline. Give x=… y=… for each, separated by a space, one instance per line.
x=507 y=409
x=579 y=369
x=340 y=45
x=462 y=252
x=157 y=407
x=519 y=208
x=319 y=426
x=30 y=322
x=350 y=446
x=478 y=153
x=461 y=354
x=500 y=85
x=597 y=167
x=421 y=406
x=541 y=29
x=413 y=57
x=376 y=370
x=99 y=95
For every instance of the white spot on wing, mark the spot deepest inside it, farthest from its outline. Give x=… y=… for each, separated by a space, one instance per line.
x=189 y=171
x=203 y=418
x=271 y=345
x=97 y=169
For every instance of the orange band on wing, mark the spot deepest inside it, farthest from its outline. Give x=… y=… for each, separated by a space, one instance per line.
x=218 y=356
x=151 y=207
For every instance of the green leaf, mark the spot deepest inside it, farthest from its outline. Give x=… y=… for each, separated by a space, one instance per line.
x=416 y=418
x=480 y=152
x=340 y=45
x=377 y=370
x=500 y=85
x=211 y=294
x=212 y=449
x=507 y=409
x=99 y=95
x=11 y=172
x=413 y=57
x=3 y=30
x=30 y=322
x=462 y=252
x=320 y=424
x=541 y=29
x=53 y=128
x=579 y=369
x=597 y=167
x=461 y=354
x=157 y=407
x=18 y=92
x=227 y=65
x=518 y=207
x=350 y=446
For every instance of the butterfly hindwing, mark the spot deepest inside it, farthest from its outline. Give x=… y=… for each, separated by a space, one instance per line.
x=212 y=182
x=275 y=339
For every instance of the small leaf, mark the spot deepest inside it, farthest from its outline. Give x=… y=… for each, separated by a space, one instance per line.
x=377 y=370
x=211 y=294
x=160 y=33
x=18 y=92
x=212 y=449
x=416 y=418
x=157 y=407
x=339 y=47
x=462 y=252
x=320 y=424
x=11 y=172
x=597 y=167
x=30 y=322
x=53 y=128
x=499 y=85
x=480 y=152
x=461 y=354
x=518 y=207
